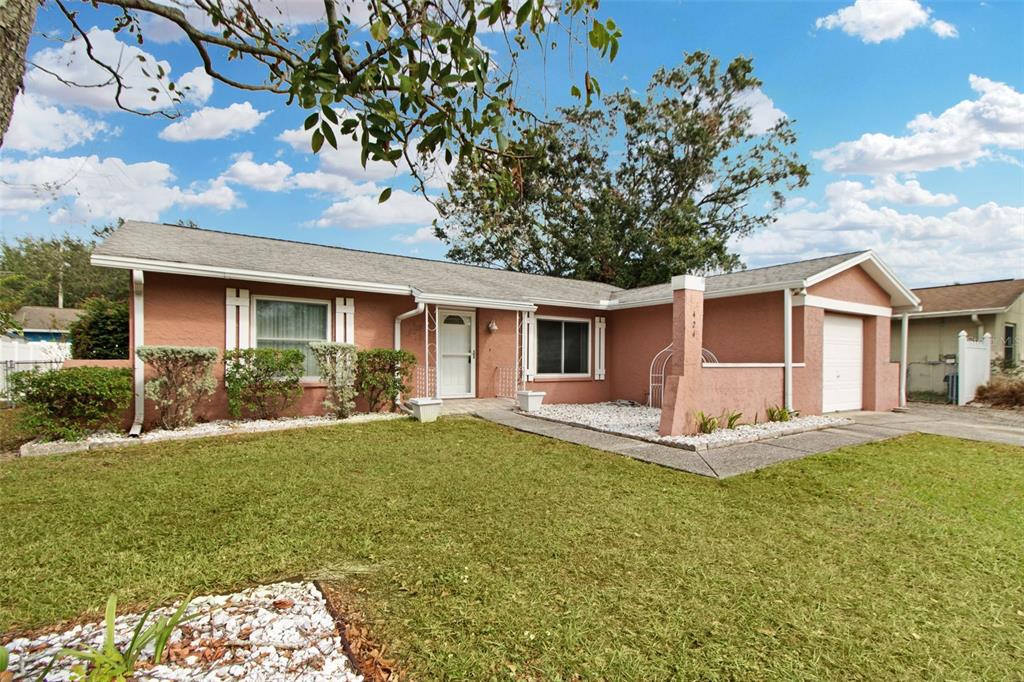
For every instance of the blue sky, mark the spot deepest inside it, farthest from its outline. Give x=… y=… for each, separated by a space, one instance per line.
x=910 y=115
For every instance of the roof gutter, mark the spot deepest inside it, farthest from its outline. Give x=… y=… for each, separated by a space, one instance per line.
x=420 y=307
x=958 y=313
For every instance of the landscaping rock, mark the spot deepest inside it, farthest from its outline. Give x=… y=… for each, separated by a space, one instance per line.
x=642 y=422
x=274 y=632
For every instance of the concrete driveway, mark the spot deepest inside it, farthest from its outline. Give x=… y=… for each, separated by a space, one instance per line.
x=972 y=423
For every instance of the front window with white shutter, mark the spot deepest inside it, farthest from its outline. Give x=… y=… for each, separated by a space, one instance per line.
x=292 y=324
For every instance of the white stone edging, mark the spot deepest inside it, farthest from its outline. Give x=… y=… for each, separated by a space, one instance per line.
x=103 y=441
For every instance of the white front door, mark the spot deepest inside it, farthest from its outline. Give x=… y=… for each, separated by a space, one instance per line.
x=842 y=363
x=457 y=351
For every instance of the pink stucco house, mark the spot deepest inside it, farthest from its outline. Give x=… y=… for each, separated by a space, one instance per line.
x=812 y=335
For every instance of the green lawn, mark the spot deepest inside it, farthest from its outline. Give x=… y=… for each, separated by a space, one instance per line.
x=481 y=552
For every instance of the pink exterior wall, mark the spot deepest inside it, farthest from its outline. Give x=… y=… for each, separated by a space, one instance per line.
x=852 y=284
x=750 y=328
x=634 y=337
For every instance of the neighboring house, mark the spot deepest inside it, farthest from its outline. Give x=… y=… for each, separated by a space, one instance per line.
x=813 y=334
x=979 y=308
x=42 y=323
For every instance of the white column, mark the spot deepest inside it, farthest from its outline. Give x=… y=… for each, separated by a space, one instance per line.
x=904 y=332
x=787 y=346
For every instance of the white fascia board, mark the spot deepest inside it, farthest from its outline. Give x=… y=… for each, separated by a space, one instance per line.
x=472 y=302
x=194 y=270
x=558 y=303
x=756 y=289
x=844 y=306
x=728 y=365
x=956 y=313
x=615 y=305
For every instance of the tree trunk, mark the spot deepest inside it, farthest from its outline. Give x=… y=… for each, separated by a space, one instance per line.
x=16 y=21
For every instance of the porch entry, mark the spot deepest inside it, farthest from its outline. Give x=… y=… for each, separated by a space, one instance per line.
x=456 y=353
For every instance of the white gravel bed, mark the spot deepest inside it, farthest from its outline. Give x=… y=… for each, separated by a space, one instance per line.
x=642 y=422
x=216 y=428
x=274 y=632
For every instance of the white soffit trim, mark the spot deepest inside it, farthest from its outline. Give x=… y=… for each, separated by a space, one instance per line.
x=843 y=306
x=251 y=275
x=727 y=365
x=901 y=296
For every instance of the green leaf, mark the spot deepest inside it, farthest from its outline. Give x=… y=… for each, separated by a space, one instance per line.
x=384 y=196
x=328 y=132
x=311 y=121
x=524 y=13
x=379 y=31
x=318 y=140
x=575 y=92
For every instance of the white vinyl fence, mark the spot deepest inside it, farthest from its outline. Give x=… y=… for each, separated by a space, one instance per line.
x=17 y=356
x=974 y=366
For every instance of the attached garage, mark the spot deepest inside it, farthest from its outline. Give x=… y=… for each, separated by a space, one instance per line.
x=842 y=363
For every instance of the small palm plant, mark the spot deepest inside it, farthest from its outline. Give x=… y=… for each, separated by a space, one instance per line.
x=732 y=418
x=706 y=423
x=777 y=413
x=110 y=664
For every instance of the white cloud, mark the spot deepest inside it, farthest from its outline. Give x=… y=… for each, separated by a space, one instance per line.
x=420 y=236
x=874 y=21
x=36 y=127
x=270 y=177
x=944 y=29
x=88 y=188
x=958 y=137
x=72 y=64
x=212 y=123
x=886 y=189
x=923 y=249
x=763 y=112
x=403 y=208
x=336 y=185
x=345 y=160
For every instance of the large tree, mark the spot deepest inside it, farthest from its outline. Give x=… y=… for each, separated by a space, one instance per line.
x=406 y=78
x=633 y=192
x=48 y=271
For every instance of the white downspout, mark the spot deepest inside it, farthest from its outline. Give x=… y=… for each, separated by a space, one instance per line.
x=420 y=307
x=787 y=346
x=904 y=333
x=139 y=368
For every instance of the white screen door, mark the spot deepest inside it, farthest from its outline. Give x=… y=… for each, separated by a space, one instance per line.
x=457 y=343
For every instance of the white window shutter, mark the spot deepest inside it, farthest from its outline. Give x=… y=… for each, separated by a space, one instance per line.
x=599 y=344
x=529 y=345
x=236 y=329
x=345 y=320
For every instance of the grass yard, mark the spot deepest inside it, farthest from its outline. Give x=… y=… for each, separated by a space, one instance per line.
x=479 y=552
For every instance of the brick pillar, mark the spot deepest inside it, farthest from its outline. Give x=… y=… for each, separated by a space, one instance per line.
x=682 y=383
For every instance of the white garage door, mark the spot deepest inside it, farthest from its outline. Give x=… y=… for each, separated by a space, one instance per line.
x=842 y=364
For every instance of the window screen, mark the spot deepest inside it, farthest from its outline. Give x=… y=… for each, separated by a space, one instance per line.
x=563 y=347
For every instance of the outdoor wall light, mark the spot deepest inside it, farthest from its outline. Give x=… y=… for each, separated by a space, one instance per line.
x=492 y=326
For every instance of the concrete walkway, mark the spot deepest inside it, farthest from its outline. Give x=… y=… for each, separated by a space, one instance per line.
x=961 y=422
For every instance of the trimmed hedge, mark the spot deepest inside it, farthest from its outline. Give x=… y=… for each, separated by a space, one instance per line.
x=71 y=403
x=262 y=381
x=382 y=374
x=337 y=363
x=184 y=379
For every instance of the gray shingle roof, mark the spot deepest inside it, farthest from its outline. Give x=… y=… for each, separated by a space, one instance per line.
x=45 y=317
x=172 y=243
x=742 y=279
x=186 y=245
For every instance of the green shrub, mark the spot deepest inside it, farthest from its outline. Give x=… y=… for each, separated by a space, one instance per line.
x=184 y=377
x=262 y=381
x=337 y=362
x=71 y=403
x=101 y=333
x=382 y=374
x=706 y=423
x=777 y=413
